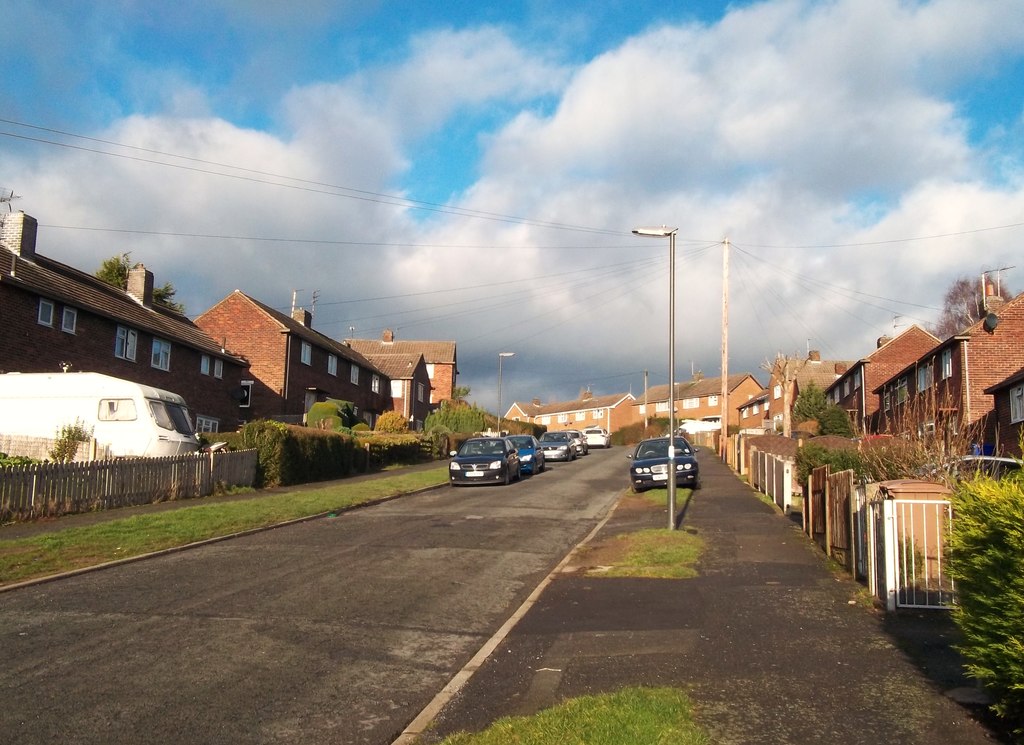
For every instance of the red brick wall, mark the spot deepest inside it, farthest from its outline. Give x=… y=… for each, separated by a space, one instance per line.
x=1007 y=434
x=443 y=382
x=27 y=346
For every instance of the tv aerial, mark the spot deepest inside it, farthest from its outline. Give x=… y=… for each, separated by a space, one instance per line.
x=7 y=196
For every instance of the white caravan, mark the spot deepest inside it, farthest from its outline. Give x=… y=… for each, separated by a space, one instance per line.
x=132 y=419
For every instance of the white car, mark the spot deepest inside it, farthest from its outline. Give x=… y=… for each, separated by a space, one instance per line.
x=597 y=437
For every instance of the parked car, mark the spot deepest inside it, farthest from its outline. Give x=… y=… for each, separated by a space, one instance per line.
x=597 y=437
x=531 y=453
x=484 y=460
x=579 y=441
x=988 y=465
x=558 y=446
x=648 y=468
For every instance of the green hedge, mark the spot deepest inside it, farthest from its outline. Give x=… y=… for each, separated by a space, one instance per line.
x=986 y=560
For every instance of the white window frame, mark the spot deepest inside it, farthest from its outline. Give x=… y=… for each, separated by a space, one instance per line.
x=599 y=414
x=712 y=400
x=419 y=391
x=353 y=375
x=126 y=343
x=207 y=424
x=691 y=403
x=924 y=377
x=580 y=416
x=246 y=400
x=160 y=358
x=375 y=383
x=1017 y=404
x=332 y=365
x=660 y=406
x=69 y=320
x=777 y=391
x=563 y=418
x=947 y=363
x=45 y=313
x=306 y=353
x=218 y=368
x=204 y=364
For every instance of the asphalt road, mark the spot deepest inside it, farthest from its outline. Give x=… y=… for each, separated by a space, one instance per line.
x=338 y=630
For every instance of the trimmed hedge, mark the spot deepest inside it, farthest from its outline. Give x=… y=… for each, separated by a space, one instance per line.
x=986 y=559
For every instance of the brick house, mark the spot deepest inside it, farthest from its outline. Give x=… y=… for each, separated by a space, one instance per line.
x=946 y=388
x=755 y=413
x=291 y=365
x=612 y=412
x=1008 y=403
x=440 y=357
x=410 y=385
x=853 y=390
x=798 y=374
x=700 y=399
x=57 y=317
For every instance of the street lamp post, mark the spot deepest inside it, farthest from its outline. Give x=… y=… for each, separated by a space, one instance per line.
x=501 y=355
x=670 y=233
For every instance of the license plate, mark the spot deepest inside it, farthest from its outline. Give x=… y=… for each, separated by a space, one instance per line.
x=660 y=477
x=471 y=474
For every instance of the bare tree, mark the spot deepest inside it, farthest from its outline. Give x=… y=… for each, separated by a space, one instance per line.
x=963 y=305
x=783 y=371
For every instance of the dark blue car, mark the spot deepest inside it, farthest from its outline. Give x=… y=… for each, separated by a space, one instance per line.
x=484 y=460
x=649 y=466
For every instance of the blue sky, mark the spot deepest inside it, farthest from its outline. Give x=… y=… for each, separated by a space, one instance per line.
x=471 y=171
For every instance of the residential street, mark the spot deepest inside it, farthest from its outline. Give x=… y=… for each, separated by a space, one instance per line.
x=337 y=630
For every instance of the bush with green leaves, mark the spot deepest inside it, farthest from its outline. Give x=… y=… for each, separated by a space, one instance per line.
x=15 y=460
x=813 y=455
x=69 y=437
x=455 y=417
x=392 y=422
x=986 y=560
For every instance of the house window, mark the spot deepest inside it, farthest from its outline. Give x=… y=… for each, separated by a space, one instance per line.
x=206 y=424
x=901 y=390
x=353 y=375
x=245 y=399
x=661 y=406
x=599 y=414
x=161 y=357
x=1017 y=404
x=204 y=365
x=580 y=416
x=375 y=383
x=127 y=340
x=757 y=408
x=887 y=400
x=69 y=320
x=45 y=315
x=947 y=363
x=306 y=353
x=777 y=391
x=419 y=391
x=563 y=418
x=691 y=403
x=545 y=420
x=218 y=368
x=332 y=364
x=712 y=400
x=924 y=377
x=856 y=380
x=846 y=388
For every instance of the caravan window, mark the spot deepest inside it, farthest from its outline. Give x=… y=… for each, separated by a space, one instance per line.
x=171 y=416
x=117 y=410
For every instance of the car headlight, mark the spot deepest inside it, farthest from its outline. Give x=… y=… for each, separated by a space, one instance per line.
x=495 y=465
x=526 y=458
x=684 y=466
x=453 y=466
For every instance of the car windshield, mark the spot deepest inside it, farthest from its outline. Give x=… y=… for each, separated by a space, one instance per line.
x=482 y=447
x=521 y=441
x=554 y=437
x=659 y=448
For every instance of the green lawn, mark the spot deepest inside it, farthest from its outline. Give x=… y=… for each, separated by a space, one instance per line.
x=637 y=716
x=77 y=548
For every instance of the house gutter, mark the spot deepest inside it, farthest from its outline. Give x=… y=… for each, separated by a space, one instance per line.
x=967 y=380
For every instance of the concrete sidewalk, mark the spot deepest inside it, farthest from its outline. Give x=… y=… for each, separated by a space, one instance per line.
x=772 y=645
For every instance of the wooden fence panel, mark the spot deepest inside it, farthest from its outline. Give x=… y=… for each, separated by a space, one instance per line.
x=840 y=517
x=53 y=489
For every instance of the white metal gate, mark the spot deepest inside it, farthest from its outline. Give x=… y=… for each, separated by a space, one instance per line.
x=912 y=560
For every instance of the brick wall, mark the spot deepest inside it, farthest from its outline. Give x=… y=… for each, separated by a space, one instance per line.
x=27 y=346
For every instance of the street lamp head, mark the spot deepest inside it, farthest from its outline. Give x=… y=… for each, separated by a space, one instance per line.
x=506 y=354
x=655 y=232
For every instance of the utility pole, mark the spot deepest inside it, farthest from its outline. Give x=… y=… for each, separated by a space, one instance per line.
x=646 y=413
x=723 y=440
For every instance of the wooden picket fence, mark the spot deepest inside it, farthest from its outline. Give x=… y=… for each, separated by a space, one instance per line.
x=53 y=489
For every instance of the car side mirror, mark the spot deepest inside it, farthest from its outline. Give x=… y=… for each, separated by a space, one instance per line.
x=453 y=453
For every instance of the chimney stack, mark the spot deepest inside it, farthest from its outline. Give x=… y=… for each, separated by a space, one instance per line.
x=882 y=341
x=18 y=234
x=814 y=356
x=388 y=336
x=140 y=285
x=303 y=316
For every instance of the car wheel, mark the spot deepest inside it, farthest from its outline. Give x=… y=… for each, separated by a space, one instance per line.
x=542 y=466
x=507 y=477
x=519 y=473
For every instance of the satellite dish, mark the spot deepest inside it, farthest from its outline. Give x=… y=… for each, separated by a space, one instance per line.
x=990 y=323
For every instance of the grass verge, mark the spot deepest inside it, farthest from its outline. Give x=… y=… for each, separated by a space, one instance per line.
x=638 y=716
x=77 y=548
x=655 y=553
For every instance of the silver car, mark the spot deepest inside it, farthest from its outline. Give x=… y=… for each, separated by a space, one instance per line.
x=579 y=441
